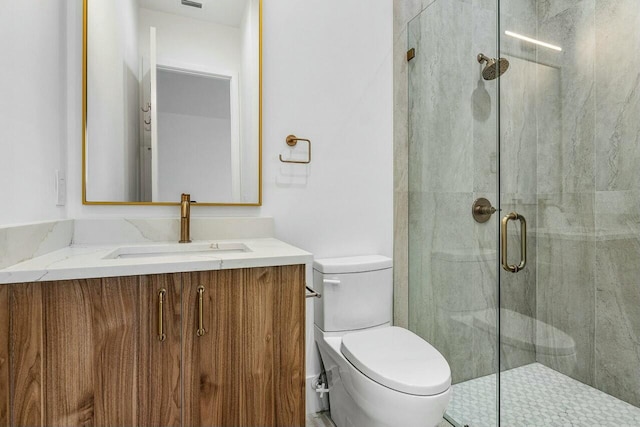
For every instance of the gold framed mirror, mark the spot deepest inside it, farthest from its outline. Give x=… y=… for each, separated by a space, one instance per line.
x=172 y=102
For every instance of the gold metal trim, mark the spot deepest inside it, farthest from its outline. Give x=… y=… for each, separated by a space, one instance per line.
x=85 y=13
x=200 y=332
x=411 y=53
x=185 y=219
x=482 y=210
x=292 y=140
x=505 y=242
x=161 y=335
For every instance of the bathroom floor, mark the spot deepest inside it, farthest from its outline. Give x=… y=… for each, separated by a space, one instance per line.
x=534 y=395
x=322 y=419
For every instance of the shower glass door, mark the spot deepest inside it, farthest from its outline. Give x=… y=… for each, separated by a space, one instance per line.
x=570 y=164
x=453 y=160
x=539 y=323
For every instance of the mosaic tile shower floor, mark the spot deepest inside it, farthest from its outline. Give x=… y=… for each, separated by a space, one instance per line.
x=536 y=396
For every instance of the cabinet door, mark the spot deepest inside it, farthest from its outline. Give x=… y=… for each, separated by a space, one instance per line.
x=248 y=367
x=273 y=346
x=160 y=388
x=73 y=352
x=213 y=366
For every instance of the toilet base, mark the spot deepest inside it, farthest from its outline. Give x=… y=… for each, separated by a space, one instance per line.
x=357 y=401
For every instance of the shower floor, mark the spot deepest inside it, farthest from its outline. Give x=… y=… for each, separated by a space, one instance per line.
x=536 y=396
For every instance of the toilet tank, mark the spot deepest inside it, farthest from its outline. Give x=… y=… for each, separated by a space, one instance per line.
x=357 y=292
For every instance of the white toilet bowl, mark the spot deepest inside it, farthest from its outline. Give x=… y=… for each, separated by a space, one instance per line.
x=378 y=375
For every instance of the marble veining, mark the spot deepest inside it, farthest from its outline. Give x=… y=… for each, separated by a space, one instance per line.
x=23 y=242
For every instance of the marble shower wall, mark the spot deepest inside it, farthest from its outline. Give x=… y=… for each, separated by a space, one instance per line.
x=570 y=160
x=617 y=199
x=588 y=233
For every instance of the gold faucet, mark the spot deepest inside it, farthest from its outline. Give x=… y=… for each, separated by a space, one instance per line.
x=185 y=218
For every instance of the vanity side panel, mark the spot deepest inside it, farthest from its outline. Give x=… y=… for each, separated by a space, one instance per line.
x=159 y=373
x=290 y=338
x=26 y=354
x=259 y=346
x=213 y=393
x=5 y=400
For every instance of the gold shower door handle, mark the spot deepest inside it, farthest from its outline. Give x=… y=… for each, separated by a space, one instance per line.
x=523 y=242
x=200 y=332
x=161 y=293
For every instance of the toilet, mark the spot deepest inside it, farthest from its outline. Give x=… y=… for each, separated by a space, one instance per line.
x=378 y=375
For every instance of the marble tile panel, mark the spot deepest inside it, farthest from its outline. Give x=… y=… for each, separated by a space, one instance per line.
x=549 y=140
x=518 y=16
x=401 y=260
x=547 y=9
x=400 y=114
x=403 y=12
x=483 y=98
x=23 y=242
x=420 y=291
x=617 y=213
x=566 y=214
x=566 y=301
x=617 y=345
x=440 y=87
x=518 y=128
x=617 y=342
x=572 y=160
x=618 y=94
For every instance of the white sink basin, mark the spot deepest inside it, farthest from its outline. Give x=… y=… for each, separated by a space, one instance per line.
x=178 y=249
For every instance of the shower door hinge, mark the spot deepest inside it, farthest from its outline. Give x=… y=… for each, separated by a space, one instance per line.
x=411 y=53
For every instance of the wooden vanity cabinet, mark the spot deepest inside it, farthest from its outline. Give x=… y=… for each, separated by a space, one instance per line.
x=87 y=352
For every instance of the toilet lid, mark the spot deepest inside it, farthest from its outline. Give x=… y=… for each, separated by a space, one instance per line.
x=398 y=359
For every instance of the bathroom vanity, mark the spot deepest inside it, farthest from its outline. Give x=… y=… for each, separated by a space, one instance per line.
x=157 y=338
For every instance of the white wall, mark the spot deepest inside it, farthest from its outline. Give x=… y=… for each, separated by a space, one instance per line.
x=32 y=108
x=327 y=76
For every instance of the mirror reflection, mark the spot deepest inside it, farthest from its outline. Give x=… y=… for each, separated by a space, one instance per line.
x=172 y=101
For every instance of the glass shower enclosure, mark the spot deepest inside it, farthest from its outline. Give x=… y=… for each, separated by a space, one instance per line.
x=533 y=106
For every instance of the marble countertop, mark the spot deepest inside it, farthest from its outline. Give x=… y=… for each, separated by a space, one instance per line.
x=84 y=261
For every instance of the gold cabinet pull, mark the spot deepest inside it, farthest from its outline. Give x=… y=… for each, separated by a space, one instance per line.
x=523 y=242
x=200 y=332
x=161 y=294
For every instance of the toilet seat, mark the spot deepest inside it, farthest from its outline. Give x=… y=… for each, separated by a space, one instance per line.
x=398 y=359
